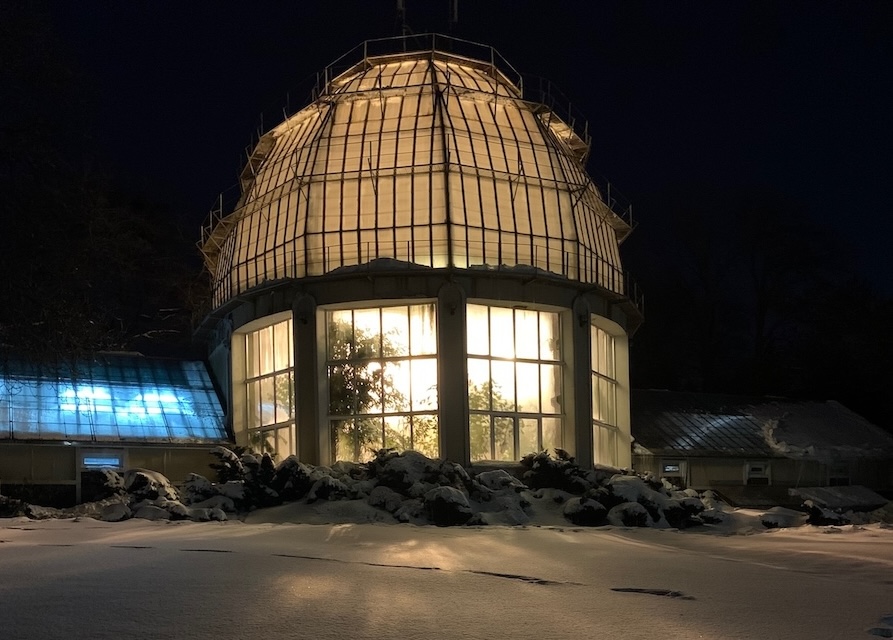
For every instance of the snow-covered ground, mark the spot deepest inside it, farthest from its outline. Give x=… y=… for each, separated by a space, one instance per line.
x=268 y=577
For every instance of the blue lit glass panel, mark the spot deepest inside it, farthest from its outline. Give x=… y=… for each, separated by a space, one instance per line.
x=112 y=399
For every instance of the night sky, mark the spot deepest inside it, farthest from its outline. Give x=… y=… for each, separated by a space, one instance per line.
x=684 y=100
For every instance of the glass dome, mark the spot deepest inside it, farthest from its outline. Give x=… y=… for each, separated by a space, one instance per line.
x=430 y=158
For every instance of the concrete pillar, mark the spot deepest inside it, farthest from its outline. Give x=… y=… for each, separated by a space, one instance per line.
x=452 y=373
x=578 y=361
x=311 y=447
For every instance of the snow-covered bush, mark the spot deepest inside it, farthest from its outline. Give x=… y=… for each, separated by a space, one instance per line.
x=229 y=464
x=293 y=479
x=585 y=512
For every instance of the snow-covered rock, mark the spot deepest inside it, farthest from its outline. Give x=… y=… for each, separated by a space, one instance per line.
x=401 y=471
x=629 y=514
x=327 y=488
x=499 y=479
x=216 y=502
x=411 y=511
x=585 y=512
x=144 y=483
x=115 y=512
x=385 y=498
x=151 y=512
x=447 y=506
x=780 y=517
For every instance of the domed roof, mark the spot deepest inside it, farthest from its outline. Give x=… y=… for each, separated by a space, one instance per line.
x=427 y=157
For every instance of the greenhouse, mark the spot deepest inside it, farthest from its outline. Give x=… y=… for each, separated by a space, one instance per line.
x=418 y=259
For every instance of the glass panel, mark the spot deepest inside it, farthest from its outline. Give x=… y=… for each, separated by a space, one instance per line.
x=528 y=386
x=478 y=330
x=396 y=385
x=395 y=331
x=610 y=403
x=526 y=334
x=425 y=435
x=340 y=399
x=606 y=445
x=255 y=440
x=253 y=405
x=284 y=443
x=267 y=401
x=265 y=345
x=282 y=343
x=552 y=433
x=283 y=391
x=504 y=438
x=503 y=386
x=424 y=384
x=397 y=433
x=550 y=388
x=602 y=353
x=478 y=384
x=368 y=391
x=340 y=334
x=479 y=436
x=501 y=333
x=369 y=437
x=528 y=440
x=252 y=356
x=595 y=405
x=423 y=329
x=345 y=440
x=550 y=336
x=268 y=442
x=367 y=332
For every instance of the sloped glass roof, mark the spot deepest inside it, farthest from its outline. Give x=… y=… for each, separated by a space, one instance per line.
x=111 y=399
x=704 y=424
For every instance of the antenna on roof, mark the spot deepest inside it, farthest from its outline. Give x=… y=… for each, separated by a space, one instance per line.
x=453 y=18
x=401 y=18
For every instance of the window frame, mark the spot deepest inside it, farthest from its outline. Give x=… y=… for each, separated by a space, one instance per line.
x=283 y=431
x=514 y=414
x=382 y=413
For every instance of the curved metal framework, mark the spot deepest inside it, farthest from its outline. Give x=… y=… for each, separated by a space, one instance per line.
x=430 y=157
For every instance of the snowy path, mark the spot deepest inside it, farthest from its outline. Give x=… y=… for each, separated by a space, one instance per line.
x=138 y=579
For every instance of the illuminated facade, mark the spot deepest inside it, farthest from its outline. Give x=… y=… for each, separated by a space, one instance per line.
x=418 y=259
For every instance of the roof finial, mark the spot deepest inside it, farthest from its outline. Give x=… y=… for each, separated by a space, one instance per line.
x=453 y=18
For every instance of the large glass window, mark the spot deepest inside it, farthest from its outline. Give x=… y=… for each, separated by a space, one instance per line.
x=269 y=389
x=382 y=380
x=514 y=382
x=606 y=432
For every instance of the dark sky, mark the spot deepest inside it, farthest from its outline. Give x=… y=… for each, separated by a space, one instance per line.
x=684 y=99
